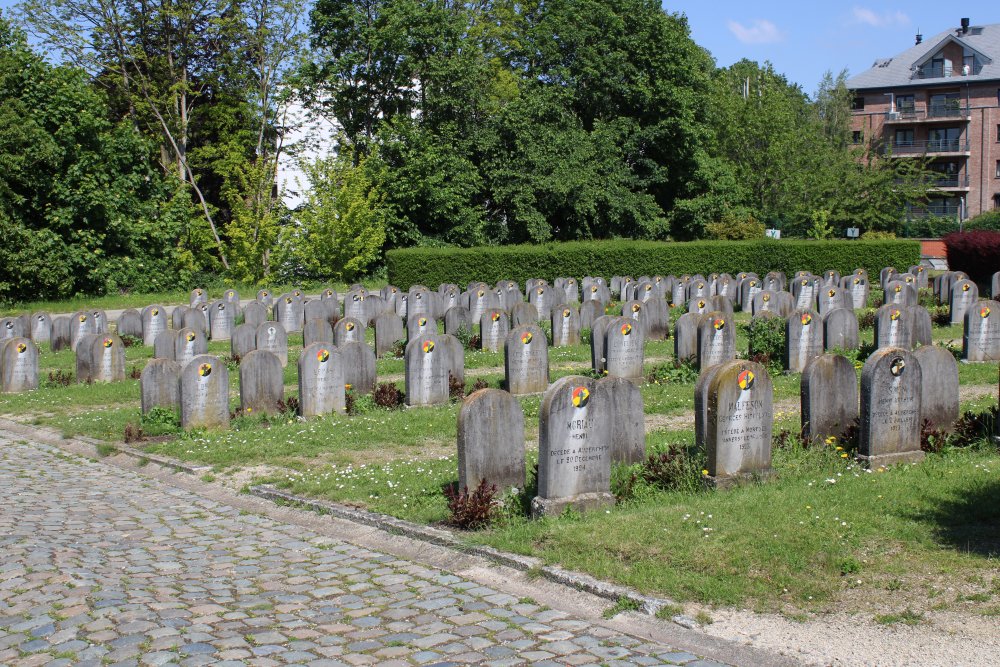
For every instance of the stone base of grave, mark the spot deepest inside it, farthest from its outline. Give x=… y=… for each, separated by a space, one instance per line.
x=886 y=460
x=729 y=481
x=582 y=503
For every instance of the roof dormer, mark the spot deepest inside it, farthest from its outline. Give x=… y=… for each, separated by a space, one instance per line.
x=949 y=57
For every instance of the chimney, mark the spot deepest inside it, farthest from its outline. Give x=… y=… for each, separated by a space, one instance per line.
x=920 y=37
x=965 y=26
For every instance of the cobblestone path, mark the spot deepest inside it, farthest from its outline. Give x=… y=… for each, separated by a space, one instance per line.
x=99 y=565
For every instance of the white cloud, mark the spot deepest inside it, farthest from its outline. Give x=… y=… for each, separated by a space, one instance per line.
x=877 y=20
x=760 y=31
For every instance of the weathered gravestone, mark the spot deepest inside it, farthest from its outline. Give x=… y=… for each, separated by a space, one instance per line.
x=890 y=408
x=840 y=330
x=160 y=385
x=84 y=357
x=232 y=298
x=493 y=327
x=60 y=333
x=455 y=318
x=767 y=301
x=154 y=320
x=130 y=324
x=733 y=421
x=893 y=327
x=526 y=360
x=188 y=344
x=804 y=290
x=491 y=441
x=347 y=330
x=922 y=332
x=803 y=339
x=419 y=324
x=921 y=274
x=831 y=298
x=716 y=340
x=197 y=318
x=204 y=393
x=18 y=365
x=265 y=298
x=624 y=351
x=748 y=289
x=524 y=313
x=598 y=330
x=221 y=320
x=857 y=287
x=590 y=311
x=388 y=330
x=107 y=359
x=244 y=341
x=317 y=331
x=177 y=317
x=40 y=330
x=541 y=298
x=900 y=293
x=262 y=385
x=565 y=326
x=271 y=336
x=686 y=337
x=81 y=324
x=428 y=365
x=981 y=334
x=828 y=397
x=321 y=380
x=359 y=367
x=163 y=346
x=628 y=426
x=289 y=313
x=198 y=295
x=574 y=448
x=100 y=319
x=254 y=314
x=939 y=388
x=316 y=309
x=964 y=295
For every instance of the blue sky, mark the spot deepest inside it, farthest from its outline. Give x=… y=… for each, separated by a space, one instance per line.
x=804 y=39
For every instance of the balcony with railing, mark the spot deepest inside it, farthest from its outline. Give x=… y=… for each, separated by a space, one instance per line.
x=942 y=72
x=941 y=181
x=943 y=209
x=929 y=114
x=932 y=146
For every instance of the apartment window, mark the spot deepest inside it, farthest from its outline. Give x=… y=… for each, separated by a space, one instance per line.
x=858 y=102
x=905 y=103
x=998 y=168
x=996 y=201
x=998 y=132
x=904 y=137
x=857 y=136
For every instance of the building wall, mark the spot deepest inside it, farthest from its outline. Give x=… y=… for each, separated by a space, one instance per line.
x=981 y=131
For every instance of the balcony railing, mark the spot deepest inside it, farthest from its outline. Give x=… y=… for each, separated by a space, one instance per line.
x=944 y=111
x=942 y=210
x=942 y=181
x=939 y=71
x=931 y=146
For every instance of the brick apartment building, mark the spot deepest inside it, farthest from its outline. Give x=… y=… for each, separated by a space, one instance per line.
x=940 y=99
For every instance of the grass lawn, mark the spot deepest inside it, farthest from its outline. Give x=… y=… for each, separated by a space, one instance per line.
x=821 y=535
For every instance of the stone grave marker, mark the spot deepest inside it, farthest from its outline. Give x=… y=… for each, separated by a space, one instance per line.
x=805 y=292
x=749 y=289
x=289 y=313
x=388 y=330
x=541 y=298
x=154 y=320
x=831 y=297
x=803 y=339
x=964 y=295
x=597 y=336
x=18 y=365
x=574 y=448
x=107 y=359
x=420 y=301
x=493 y=326
x=624 y=349
x=254 y=314
x=262 y=385
x=188 y=344
x=221 y=320
x=981 y=333
x=81 y=323
x=160 y=385
x=232 y=298
x=565 y=326
x=831 y=277
x=890 y=408
x=857 y=287
x=271 y=336
x=321 y=381
x=686 y=337
x=317 y=331
x=922 y=332
x=628 y=425
x=60 y=333
x=491 y=441
x=41 y=328
x=177 y=316
x=163 y=346
x=767 y=301
x=455 y=318
x=590 y=311
x=316 y=309
x=265 y=298
x=526 y=360
x=130 y=324
x=85 y=358
x=734 y=420
x=244 y=340
x=204 y=393
x=885 y=275
x=419 y=324
x=347 y=330
x=198 y=295
x=900 y=293
x=698 y=306
x=359 y=367
x=716 y=340
x=840 y=330
x=893 y=327
x=524 y=313
x=428 y=364
x=939 y=388
x=828 y=397
x=921 y=274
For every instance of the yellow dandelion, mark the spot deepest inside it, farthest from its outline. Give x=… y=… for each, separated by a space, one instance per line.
x=831 y=440
x=843 y=455
x=839 y=448
x=704 y=471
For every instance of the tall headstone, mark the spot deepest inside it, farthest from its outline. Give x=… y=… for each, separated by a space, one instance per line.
x=164 y=345
x=893 y=327
x=419 y=324
x=526 y=360
x=542 y=299
x=574 y=448
x=828 y=397
x=388 y=330
x=890 y=408
x=493 y=326
x=491 y=440
x=590 y=311
x=160 y=385
x=262 y=385
x=524 y=313
x=205 y=393
x=41 y=328
x=922 y=332
x=177 y=316
x=455 y=318
x=271 y=336
x=265 y=298
x=321 y=380
x=840 y=330
x=198 y=295
x=107 y=359
x=188 y=344
x=18 y=365
x=428 y=364
x=347 y=330
x=686 y=337
x=221 y=320
x=803 y=339
x=964 y=295
x=317 y=331
x=716 y=340
x=733 y=421
x=628 y=425
x=244 y=340
x=130 y=324
x=565 y=326
x=359 y=367
x=60 y=333
x=857 y=287
x=197 y=318
x=289 y=313
x=624 y=351
x=154 y=320
x=981 y=334
x=81 y=323
x=939 y=389
x=254 y=314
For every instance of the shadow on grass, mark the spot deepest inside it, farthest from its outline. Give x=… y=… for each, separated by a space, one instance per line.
x=969 y=521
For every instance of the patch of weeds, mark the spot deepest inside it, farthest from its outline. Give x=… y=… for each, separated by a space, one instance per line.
x=232 y=361
x=289 y=407
x=471 y=510
x=208 y=478
x=398 y=350
x=133 y=433
x=159 y=421
x=387 y=395
x=907 y=617
x=104 y=449
x=894 y=585
x=131 y=341
x=974 y=597
x=848 y=566
x=702 y=618
x=667 y=612
x=674 y=372
x=527 y=600
x=59 y=378
x=766 y=341
x=623 y=604
x=533 y=572
x=134 y=373
x=480 y=383
x=456 y=388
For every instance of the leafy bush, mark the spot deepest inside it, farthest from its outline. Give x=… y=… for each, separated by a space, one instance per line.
x=387 y=395
x=735 y=227
x=977 y=253
x=667 y=469
x=989 y=220
x=877 y=235
x=673 y=372
x=131 y=341
x=456 y=388
x=471 y=511
x=480 y=383
x=59 y=378
x=433 y=266
x=766 y=338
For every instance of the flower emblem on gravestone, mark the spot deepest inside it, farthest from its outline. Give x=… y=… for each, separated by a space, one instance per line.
x=701 y=304
x=745 y=379
x=898 y=289
x=526 y=337
x=649 y=288
x=83 y=318
x=428 y=346
x=805 y=282
x=329 y=292
x=10 y=325
x=322 y=356
x=626 y=329
x=909 y=280
x=765 y=297
x=205 y=370
x=21 y=347
x=719 y=324
x=198 y=292
x=264 y=293
x=566 y=312
x=349 y=326
x=297 y=293
x=984 y=312
x=288 y=299
x=894 y=314
x=580 y=397
x=540 y=291
x=920 y=269
x=156 y=311
x=496 y=316
x=857 y=281
x=636 y=308
x=832 y=293
x=108 y=342
x=753 y=283
x=229 y=294
x=593 y=289
x=481 y=293
x=221 y=306
x=421 y=321
x=897 y=366
x=965 y=287
x=806 y=319
x=190 y=337
x=700 y=285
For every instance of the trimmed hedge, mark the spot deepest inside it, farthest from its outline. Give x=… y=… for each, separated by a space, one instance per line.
x=433 y=266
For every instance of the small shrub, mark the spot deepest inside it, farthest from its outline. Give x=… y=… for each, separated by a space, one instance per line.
x=387 y=395
x=289 y=407
x=232 y=361
x=133 y=433
x=674 y=372
x=735 y=227
x=850 y=439
x=932 y=440
x=877 y=235
x=398 y=350
x=159 y=421
x=456 y=387
x=471 y=511
x=131 y=341
x=940 y=316
x=134 y=373
x=59 y=378
x=474 y=342
x=766 y=337
x=866 y=319
x=613 y=308
x=666 y=470
x=464 y=336
x=350 y=403
x=976 y=252
x=865 y=350
x=788 y=439
x=974 y=426
x=480 y=383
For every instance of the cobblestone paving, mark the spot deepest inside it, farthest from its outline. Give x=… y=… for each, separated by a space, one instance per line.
x=101 y=566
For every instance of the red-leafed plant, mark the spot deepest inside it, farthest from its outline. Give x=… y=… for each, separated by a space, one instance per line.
x=977 y=253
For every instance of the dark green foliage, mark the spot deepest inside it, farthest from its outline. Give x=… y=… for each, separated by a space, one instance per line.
x=986 y=220
x=433 y=266
x=977 y=253
x=766 y=339
x=673 y=372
